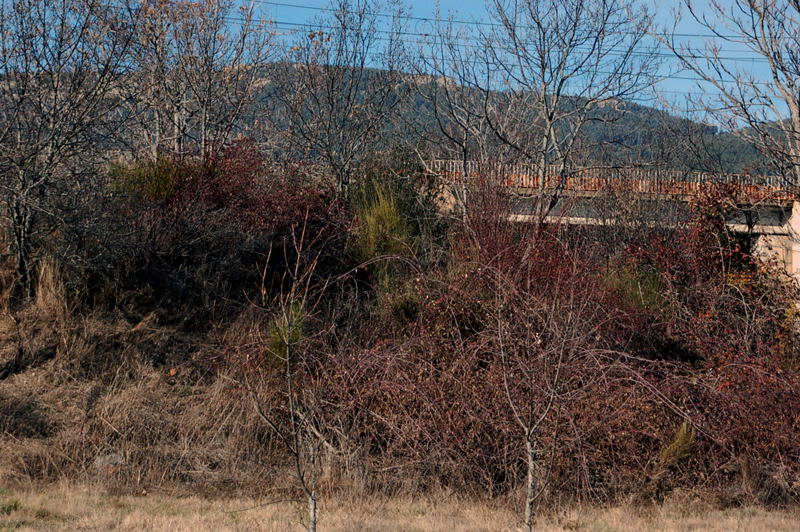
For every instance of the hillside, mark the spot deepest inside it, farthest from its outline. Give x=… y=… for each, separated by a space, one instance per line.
x=620 y=133
x=261 y=294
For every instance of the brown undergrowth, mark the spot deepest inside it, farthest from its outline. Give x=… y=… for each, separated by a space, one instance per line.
x=401 y=375
x=131 y=404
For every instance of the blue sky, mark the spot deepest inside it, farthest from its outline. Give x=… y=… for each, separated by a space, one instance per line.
x=674 y=89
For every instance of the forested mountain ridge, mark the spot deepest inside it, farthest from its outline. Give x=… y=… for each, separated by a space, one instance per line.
x=618 y=133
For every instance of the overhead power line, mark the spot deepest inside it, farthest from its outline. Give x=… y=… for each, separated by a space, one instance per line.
x=471 y=43
x=751 y=59
x=286 y=25
x=295 y=27
x=292 y=28
x=457 y=21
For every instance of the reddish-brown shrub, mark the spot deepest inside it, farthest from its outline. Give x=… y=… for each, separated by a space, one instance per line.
x=695 y=346
x=191 y=238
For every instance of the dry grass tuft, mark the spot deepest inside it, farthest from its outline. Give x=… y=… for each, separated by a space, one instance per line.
x=50 y=297
x=7 y=281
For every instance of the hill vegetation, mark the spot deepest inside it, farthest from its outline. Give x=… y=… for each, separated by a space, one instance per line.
x=214 y=281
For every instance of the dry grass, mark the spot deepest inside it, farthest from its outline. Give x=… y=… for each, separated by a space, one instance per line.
x=50 y=297
x=67 y=507
x=75 y=389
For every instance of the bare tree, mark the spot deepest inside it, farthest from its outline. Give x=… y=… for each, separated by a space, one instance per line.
x=287 y=365
x=547 y=345
x=198 y=72
x=330 y=101
x=742 y=102
x=59 y=65
x=550 y=66
x=453 y=121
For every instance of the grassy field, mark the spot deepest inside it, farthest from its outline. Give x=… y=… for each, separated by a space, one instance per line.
x=67 y=507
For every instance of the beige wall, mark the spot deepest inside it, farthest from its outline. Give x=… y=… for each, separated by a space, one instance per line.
x=784 y=246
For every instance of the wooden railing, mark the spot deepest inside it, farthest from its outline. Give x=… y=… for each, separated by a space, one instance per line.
x=637 y=180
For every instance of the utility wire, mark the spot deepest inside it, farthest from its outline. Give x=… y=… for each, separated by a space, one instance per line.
x=464 y=22
x=751 y=59
x=285 y=25
x=476 y=46
x=292 y=28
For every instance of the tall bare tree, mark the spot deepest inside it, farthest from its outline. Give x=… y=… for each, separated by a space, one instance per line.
x=199 y=67
x=764 y=113
x=330 y=101
x=59 y=65
x=548 y=344
x=453 y=122
x=550 y=66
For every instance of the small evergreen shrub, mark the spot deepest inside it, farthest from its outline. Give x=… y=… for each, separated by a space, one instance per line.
x=285 y=331
x=382 y=228
x=680 y=448
x=149 y=180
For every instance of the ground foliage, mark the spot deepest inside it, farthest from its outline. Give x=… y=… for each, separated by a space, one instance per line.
x=137 y=361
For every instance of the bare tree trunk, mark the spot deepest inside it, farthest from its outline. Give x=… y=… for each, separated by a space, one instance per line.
x=530 y=487
x=312 y=512
x=462 y=187
x=310 y=484
x=541 y=169
x=22 y=226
